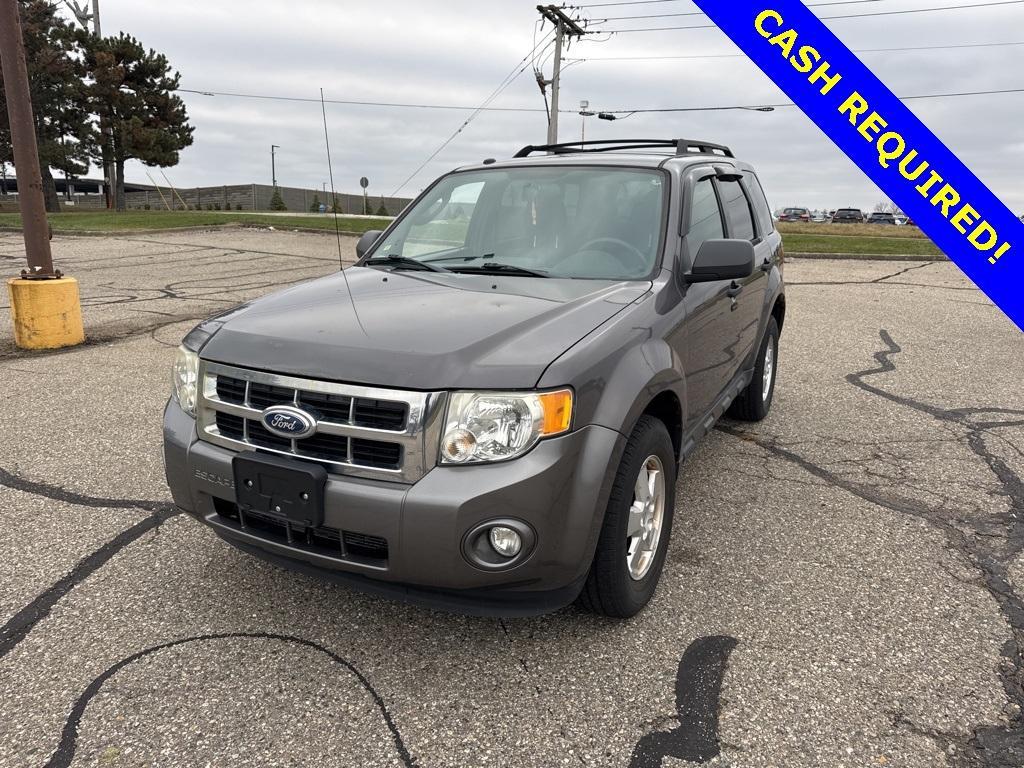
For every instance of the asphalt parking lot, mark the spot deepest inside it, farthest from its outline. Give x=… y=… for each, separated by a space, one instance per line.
x=845 y=585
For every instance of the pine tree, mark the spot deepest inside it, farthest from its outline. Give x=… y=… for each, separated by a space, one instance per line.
x=383 y=210
x=314 y=207
x=277 y=202
x=131 y=91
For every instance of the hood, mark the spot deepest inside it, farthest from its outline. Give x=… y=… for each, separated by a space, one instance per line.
x=425 y=331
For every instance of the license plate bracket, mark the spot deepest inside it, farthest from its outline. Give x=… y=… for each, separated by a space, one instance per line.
x=290 y=491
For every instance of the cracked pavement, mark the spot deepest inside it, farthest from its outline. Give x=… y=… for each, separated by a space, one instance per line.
x=844 y=585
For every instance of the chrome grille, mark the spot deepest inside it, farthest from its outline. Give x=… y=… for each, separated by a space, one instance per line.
x=361 y=431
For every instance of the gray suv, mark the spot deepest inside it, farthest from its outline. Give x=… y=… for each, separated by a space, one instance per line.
x=487 y=412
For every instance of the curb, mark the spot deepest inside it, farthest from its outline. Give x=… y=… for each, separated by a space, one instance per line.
x=866 y=256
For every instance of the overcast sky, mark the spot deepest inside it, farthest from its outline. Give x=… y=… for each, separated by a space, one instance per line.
x=457 y=51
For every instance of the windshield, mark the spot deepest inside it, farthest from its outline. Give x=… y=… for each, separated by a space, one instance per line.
x=535 y=222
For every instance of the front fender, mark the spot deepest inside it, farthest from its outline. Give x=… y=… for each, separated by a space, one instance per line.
x=616 y=373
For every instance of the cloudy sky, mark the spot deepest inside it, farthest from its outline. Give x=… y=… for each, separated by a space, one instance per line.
x=458 y=51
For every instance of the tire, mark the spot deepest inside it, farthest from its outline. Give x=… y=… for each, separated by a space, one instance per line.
x=611 y=588
x=754 y=402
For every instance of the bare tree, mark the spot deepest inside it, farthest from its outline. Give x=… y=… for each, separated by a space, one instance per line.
x=888 y=207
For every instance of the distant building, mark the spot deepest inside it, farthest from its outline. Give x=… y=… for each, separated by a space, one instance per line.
x=89 y=193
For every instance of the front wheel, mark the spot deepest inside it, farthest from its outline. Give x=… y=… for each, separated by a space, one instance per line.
x=754 y=403
x=637 y=525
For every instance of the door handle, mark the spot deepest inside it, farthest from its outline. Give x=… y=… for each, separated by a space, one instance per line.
x=734 y=290
x=767 y=266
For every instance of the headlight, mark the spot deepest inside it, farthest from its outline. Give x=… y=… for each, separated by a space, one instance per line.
x=186 y=379
x=489 y=426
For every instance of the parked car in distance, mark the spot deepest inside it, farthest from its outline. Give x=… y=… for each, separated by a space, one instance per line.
x=881 y=218
x=819 y=217
x=795 y=214
x=848 y=216
x=487 y=414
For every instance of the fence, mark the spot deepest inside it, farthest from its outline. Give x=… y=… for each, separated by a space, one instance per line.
x=255 y=197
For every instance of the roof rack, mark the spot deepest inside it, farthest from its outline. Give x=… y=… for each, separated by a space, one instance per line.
x=680 y=146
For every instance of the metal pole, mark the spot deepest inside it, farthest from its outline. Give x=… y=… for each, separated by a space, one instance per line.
x=96 y=17
x=23 y=139
x=556 y=85
x=273 y=164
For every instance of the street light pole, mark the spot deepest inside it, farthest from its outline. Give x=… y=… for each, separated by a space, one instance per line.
x=273 y=164
x=584 y=114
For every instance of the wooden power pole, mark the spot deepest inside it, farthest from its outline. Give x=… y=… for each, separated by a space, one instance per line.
x=564 y=27
x=45 y=307
x=23 y=140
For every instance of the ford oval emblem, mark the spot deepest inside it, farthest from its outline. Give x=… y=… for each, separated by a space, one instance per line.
x=285 y=421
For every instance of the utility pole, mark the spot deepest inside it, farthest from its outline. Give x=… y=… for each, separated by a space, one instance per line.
x=45 y=307
x=273 y=163
x=564 y=27
x=23 y=140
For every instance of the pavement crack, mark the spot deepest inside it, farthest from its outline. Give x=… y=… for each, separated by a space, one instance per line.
x=65 y=752
x=989 y=542
x=24 y=621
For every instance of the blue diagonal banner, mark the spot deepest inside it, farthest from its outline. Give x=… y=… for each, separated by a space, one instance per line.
x=885 y=139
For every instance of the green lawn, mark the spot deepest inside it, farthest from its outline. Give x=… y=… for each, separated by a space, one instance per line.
x=889 y=241
x=847 y=230
x=130 y=221
x=889 y=246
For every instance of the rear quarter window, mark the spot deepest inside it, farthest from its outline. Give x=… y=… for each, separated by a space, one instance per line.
x=737 y=211
x=765 y=220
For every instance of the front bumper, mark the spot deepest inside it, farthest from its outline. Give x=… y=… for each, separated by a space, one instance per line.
x=560 y=489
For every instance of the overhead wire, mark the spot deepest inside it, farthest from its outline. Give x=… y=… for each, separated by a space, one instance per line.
x=765 y=107
x=853 y=50
x=701 y=13
x=349 y=102
x=518 y=70
x=840 y=16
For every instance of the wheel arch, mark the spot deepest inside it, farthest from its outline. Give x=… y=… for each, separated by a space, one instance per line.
x=779 y=311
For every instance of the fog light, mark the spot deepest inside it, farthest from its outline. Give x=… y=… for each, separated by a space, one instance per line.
x=506 y=542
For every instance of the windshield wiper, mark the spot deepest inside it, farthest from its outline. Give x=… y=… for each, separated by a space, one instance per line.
x=498 y=269
x=403 y=262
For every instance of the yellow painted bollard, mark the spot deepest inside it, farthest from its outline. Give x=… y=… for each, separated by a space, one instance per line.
x=46 y=313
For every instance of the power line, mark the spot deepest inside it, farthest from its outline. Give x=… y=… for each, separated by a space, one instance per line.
x=629 y=2
x=652 y=2
x=701 y=13
x=826 y=18
x=766 y=107
x=853 y=50
x=397 y=105
x=517 y=70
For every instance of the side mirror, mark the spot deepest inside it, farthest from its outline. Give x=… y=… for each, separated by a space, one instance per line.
x=722 y=260
x=366 y=242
